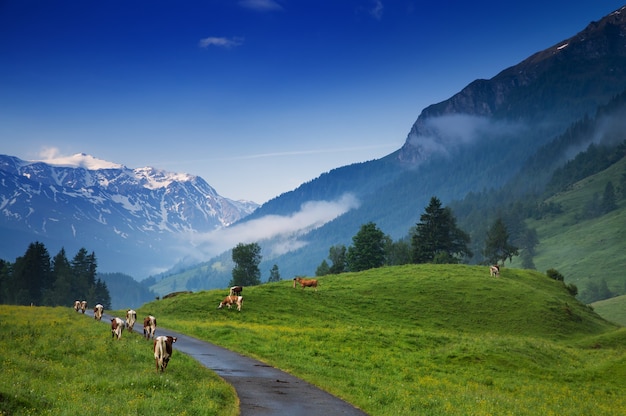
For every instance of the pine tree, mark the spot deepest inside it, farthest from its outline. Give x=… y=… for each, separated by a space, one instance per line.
x=32 y=276
x=437 y=238
x=368 y=249
x=274 y=274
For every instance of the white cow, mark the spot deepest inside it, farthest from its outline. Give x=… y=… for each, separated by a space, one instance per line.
x=117 y=326
x=163 y=351
x=149 y=326
x=97 y=312
x=131 y=317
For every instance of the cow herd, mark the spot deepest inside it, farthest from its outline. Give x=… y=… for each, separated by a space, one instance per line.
x=162 y=345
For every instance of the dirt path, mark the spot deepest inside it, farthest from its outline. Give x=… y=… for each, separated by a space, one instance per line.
x=262 y=389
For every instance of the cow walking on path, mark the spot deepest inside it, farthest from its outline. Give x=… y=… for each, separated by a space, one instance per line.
x=97 y=312
x=149 y=326
x=131 y=318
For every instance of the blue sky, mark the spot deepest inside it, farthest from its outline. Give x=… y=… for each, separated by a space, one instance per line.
x=255 y=96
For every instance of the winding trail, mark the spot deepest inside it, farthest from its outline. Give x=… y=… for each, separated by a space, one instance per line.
x=262 y=389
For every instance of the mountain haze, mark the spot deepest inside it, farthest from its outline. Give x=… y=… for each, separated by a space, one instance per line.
x=133 y=219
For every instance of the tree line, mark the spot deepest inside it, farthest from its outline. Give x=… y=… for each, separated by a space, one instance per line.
x=436 y=238
x=37 y=279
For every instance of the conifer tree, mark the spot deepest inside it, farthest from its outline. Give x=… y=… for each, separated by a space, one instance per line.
x=368 y=249
x=437 y=238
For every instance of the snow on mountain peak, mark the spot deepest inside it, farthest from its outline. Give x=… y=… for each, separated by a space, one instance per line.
x=156 y=178
x=81 y=160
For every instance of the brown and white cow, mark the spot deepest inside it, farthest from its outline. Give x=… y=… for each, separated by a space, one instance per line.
x=83 y=306
x=131 y=318
x=494 y=271
x=235 y=291
x=97 y=312
x=76 y=305
x=163 y=351
x=231 y=300
x=305 y=282
x=149 y=326
x=117 y=326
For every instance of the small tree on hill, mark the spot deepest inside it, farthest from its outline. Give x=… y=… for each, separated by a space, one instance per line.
x=497 y=246
x=337 y=256
x=368 y=249
x=247 y=258
x=274 y=274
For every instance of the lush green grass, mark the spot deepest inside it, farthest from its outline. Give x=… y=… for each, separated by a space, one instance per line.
x=57 y=362
x=428 y=340
x=584 y=250
x=614 y=309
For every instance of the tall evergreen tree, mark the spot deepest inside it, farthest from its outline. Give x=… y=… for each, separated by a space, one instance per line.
x=84 y=267
x=274 y=274
x=437 y=238
x=246 y=271
x=61 y=292
x=368 y=249
x=497 y=246
x=32 y=275
x=609 y=199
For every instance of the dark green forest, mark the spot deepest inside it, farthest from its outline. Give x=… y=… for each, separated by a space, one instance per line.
x=37 y=279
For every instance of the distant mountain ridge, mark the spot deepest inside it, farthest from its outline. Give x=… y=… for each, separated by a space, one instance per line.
x=103 y=206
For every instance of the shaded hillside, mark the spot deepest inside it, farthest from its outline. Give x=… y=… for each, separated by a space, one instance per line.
x=479 y=139
x=438 y=340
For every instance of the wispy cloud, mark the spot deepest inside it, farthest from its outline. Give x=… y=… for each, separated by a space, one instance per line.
x=312 y=152
x=284 y=231
x=220 y=42
x=376 y=10
x=261 y=5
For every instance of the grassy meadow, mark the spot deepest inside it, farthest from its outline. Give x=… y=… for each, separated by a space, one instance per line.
x=584 y=250
x=425 y=339
x=57 y=362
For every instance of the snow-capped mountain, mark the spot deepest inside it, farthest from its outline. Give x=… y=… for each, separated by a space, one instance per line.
x=82 y=201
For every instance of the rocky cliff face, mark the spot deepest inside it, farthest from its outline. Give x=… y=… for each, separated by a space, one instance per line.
x=555 y=86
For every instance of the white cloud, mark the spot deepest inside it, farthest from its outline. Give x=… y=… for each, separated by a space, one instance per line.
x=284 y=231
x=220 y=42
x=377 y=10
x=261 y=5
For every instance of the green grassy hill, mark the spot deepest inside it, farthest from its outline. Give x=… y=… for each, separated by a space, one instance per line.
x=427 y=339
x=585 y=250
x=613 y=309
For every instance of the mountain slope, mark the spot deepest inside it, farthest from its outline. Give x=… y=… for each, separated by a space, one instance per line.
x=477 y=139
x=122 y=214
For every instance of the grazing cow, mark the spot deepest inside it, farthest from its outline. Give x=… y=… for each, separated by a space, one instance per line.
x=235 y=291
x=231 y=300
x=131 y=317
x=76 y=305
x=305 y=282
x=163 y=351
x=149 y=326
x=83 y=306
x=494 y=271
x=117 y=326
x=97 y=312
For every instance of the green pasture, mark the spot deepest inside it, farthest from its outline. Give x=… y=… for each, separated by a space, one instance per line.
x=425 y=340
x=57 y=362
x=584 y=250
